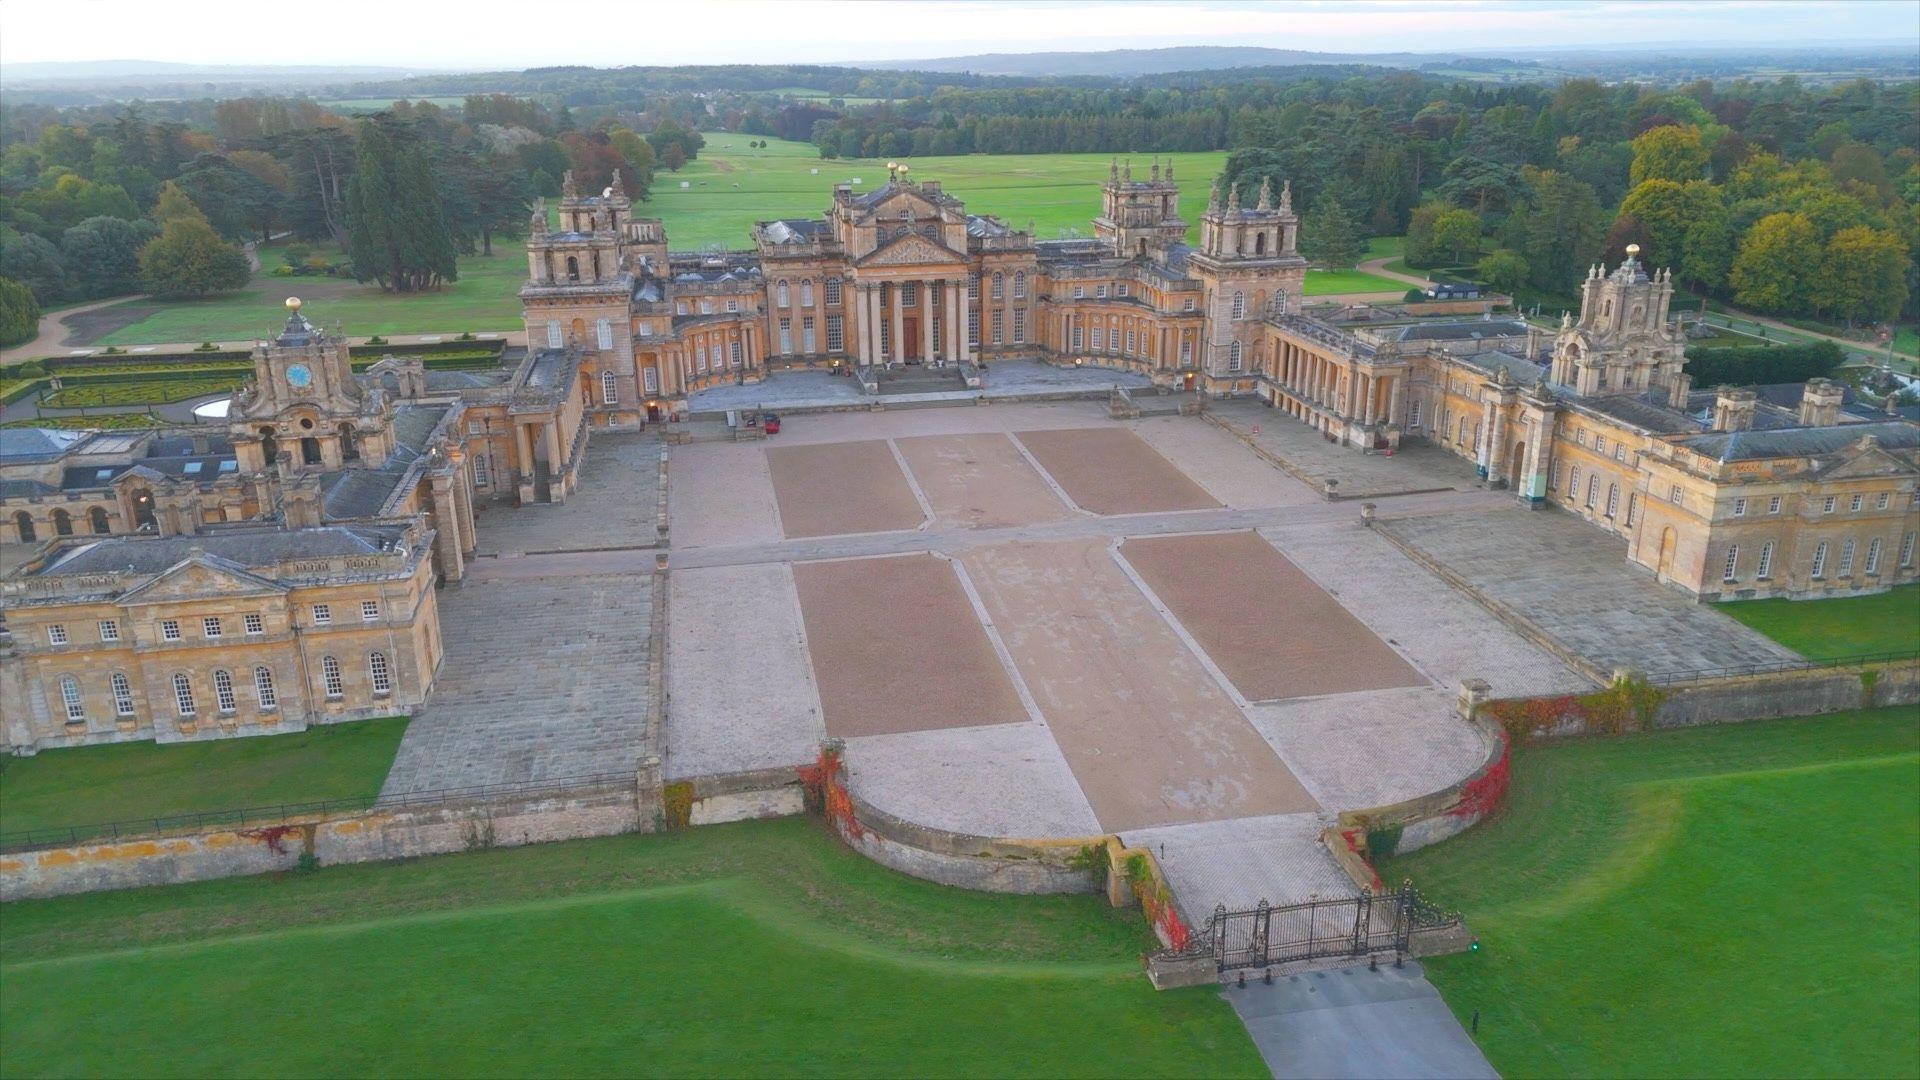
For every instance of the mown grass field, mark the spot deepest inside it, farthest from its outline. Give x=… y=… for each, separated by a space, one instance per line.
x=1727 y=901
x=89 y=785
x=1845 y=626
x=485 y=298
x=761 y=948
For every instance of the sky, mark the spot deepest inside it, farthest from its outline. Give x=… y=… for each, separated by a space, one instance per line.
x=491 y=34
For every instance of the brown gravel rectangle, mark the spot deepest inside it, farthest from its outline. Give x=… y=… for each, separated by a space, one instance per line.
x=980 y=481
x=897 y=646
x=827 y=489
x=1149 y=735
x=1110 y=470
x=1265 y=623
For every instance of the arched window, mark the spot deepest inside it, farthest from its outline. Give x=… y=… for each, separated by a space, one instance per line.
x=1019 y=284
x=70 y=697
x=782 y=298
x=183 y=693
x=380 y=673
x=573 y=268
x=122 y=695
x=603 y=332
x=23 y=524
x=1239 y=305
x=609 y=390
x=223 y=698
x=62 y=523
x=263 y=688
x=999 y=284
x=806 y=293
x=1233 y=357
x=330 y=677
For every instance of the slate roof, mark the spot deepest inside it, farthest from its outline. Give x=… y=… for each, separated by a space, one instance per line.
x=1463 y=330
x=32 y=442
x=982 y=225
x=243 y=547
x=795 y=230
x=1801 y=441
x=199 y=468
x=360 y=493
x=1642 y=411
x=22 y=489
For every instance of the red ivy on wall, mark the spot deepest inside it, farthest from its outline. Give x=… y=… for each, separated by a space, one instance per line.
x=1483 y=793
x=825 y=784
x=274 y=835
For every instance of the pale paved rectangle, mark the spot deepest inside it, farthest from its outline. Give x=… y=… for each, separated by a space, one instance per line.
x=980 y=481
x=1224 y=465
x=1149 y=735
x=616 y=504
x=1007 y=780
x=720 y=494
x=740 y=695
x=896 y=646
x=830 y=489
x=1110 y=470
x=1266 y=625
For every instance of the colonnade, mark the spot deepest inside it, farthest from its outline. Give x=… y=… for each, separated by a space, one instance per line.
x=1342 y=387
x=880 y=315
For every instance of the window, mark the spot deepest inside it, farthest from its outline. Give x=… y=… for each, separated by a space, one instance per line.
x=999 y=285
x=1846 y=558
x=1599 y=444
x=263 y=688
x=833 y=292
x=1077 y=338
x=646 y=328
x=1413 y=413
x=1739 y=508
x=603 y=332
x=378 y=671
x=714 y=351
x=1675 y=495
x=70 y=697
x=653 y=379
x=482 y=476
x=1633 y=509
x=733 y=306
x=122 y=695
x=553 y=334
x=1233 y=357
x=1019 y=326
x=1619 y=451
x=1593 y=490
x=782 y=299
x=973 y=327
x=1186 y=351
x=211 y=626
x=786 y=336
x=1906 y=550
x=999 y=324
x=1573 y=472
x=322 y=615
x=807 y=343
x=1827 y=504
x=910 y=293
x=1730 y=572
x=609 y=389
x=1188 y=305
x=109 y=630
x=170 y=629
x=1019 y=284
x=1079 y=292
x=1765 y=568
x=1881 y=502
x=1873 y=556
x=56 y=634
x=183 y=693
x=836 y=334
x=973 y=286
x=1613 y=498
x=735 y=356
x=1460 y=438
x=223 y=692
x=1580 y=436
x=330 y=677
x=370 y=610
x=1099 y=339
x=1820 y=559
x=1773 y=505
x=1130 y=342
x=1239 y=305
x=806 y=293
x=475 y=427
x=1100 y=292
x=1857 y=502
x=1121 y=289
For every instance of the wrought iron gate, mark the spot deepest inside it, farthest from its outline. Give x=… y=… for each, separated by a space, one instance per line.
x=1348 y=927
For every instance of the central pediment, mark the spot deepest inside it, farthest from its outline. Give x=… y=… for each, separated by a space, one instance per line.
x=911 y=250
x=201 y=577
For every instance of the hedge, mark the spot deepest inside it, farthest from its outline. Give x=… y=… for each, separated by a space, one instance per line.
x=1760 y=364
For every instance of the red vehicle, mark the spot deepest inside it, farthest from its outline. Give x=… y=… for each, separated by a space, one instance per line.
x=771 y=423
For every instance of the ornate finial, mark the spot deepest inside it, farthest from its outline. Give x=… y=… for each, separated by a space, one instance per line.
x=1566 y=319
x=567 y=187
x=1113 y=170
x=538 y=221
x=1266 y=194
x=618 y=189
x=1213 y=198
x=293 y=304
x=1633 y=251
x=1233 y=199
x=1126 y=171
x=1286 y=196
x=1155 y=174
x=1169 y=170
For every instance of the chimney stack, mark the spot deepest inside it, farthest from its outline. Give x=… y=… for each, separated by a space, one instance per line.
x=1733 y=410
x=1677 y=391
x=1820 y=403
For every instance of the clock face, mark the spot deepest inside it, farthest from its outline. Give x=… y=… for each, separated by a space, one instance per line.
x=299 y=377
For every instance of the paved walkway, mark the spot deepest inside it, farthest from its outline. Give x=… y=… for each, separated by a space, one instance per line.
x=1001 y=379
x=52 y=333
x=616 y=504
x=1352 y=1022
x=1379 y=266
x=1416 y=466
x=1573 y=582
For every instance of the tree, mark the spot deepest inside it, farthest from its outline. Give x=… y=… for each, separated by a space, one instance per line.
x=1862 y=276
x=34 y=262
x=1626 y=231
x=673 y=157
x=1666 y=210
x=103 y=254
x=19 y=313
x=1329 y=237
x=1777 y=261
x=175 y=204
x=237 y=203
x=1421 y=249
x=1457 y=234
x=188 y=260
x=396 y=226
x=1558 y=229
x=1709 y=253
x=1505 y=269
x=1669 y=153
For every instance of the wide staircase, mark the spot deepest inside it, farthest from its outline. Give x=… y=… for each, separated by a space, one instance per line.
x=920 y=379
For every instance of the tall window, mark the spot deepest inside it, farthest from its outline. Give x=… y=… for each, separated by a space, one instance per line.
x=786 y=336
x=782 y=297
x=1233 y=357
x=223 y=691
x=1739 y=508
x=70 y=697
x=1099 y=339
x=122 y=695
x=330 y=677
x=807 y=343
x=1573 y=478
x=999 y=285
x=1846 y=557
x=1078 y=338
x=1773 y=505
x=836 y=334
x=653 y=379
x=603 y=332
x=1731 y=571
x=253 y=623
x=1613 y=498
x=183 y=693
x=1765 y=569
x=1413 y=413
x=910 y=294
x=263 y=688
x=1873 y=556
x=973 y=327
x=1593 y=490
x=806 y=293
x=482 y=476
x=1239 y=305
x=553 y=334
x=1820 y=560
x=999 y=323
x=1186 y=351
x=833 y=292
x=1019 y=322
x=609 y=389
x=1906 y=550
x=1019 y=284
x=973 y=286
x=734 y=353
x=379 y=673
x=1854 y=504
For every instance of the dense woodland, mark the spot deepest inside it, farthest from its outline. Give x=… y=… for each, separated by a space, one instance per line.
x=1776 y=196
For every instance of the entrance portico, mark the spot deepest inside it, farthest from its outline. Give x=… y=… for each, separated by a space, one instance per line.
x=915 y=317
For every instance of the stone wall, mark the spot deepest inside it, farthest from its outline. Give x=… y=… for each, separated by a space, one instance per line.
x=970 y=862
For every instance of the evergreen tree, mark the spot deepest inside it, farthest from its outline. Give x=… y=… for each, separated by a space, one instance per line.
x=1329 y=237
x=103 y=254
x=396 y=224
x=19 y=313
x=1505 y=269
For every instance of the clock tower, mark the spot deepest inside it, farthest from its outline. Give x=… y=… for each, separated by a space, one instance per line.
x=303 y=411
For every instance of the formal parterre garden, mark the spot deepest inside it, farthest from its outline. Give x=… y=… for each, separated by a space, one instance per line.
x=1737 y=900
x=761 y=948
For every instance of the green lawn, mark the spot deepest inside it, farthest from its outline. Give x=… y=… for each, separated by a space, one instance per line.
x=1844 y=626
x=731 y=188
x=1330 y=282
x=762 y=948
x=92 y=784
x=485 y=298
x=1382 y=246
x=1725 y=901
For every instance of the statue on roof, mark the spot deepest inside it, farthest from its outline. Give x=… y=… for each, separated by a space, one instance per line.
x=1266 y=195
x=1155 y=174
x=537 y=223
x=1113 y=170
x=617 y=189
x=1286 y=196
x=1126 y=171
x=1213 y=198
x=1233 y=198
x=568 y=189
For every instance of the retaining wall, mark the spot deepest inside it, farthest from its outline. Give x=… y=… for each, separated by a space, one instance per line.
x=987 y=864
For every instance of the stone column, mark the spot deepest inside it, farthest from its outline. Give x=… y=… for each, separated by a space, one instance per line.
x=870 y=322
x=925 y=289
x=1393 y=396
x=951 y=313
x=523 y=447
x=966 y=316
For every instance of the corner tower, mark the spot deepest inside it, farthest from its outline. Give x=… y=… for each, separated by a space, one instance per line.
x=1250 y=268
x=1625 y=342
x=303 y=410
x=1140 y=218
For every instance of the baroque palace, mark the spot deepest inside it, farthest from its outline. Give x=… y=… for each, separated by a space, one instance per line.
x=281 y=572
